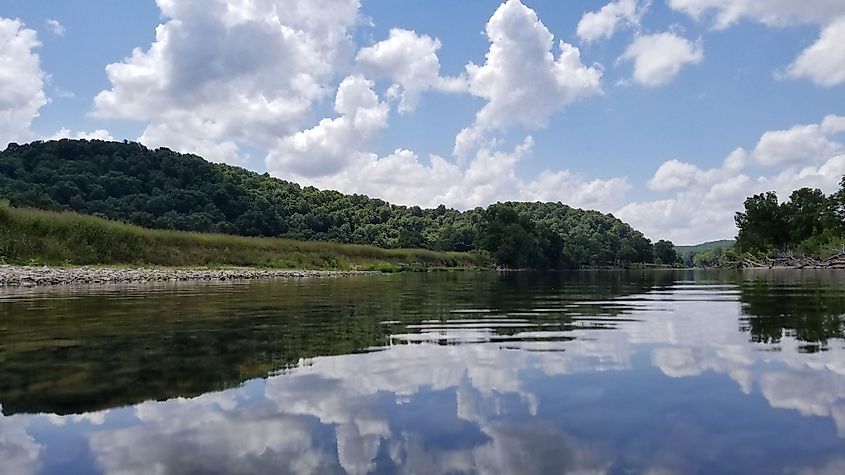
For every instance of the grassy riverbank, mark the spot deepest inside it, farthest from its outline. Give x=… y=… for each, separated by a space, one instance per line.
x=34 y=237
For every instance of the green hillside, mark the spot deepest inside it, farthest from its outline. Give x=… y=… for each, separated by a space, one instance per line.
x=705 y=246
x=707 y=254
x=162 y=189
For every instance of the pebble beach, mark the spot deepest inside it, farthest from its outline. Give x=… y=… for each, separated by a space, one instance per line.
x=27 y=276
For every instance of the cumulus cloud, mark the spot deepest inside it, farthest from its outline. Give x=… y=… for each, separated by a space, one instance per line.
x=774 y=13
x=705 y=209
x=801 y=144
x=403 y=177
x=705 y=200
x=602 y=24
x=523 y=83
x=410 y=61
x=658 y=58
x=522 y=80
x=602 y=195
x=675 y=174
x=189 y=133
x=98 y=134
x=21 y=81
x=333 y=144
x=220 y=73
x=56 y=27
x=824 y=61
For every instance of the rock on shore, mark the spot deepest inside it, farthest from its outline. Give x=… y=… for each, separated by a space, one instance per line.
x=23 y=276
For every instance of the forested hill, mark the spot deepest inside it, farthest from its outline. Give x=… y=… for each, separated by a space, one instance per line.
x=163 y=189
x=705 y=246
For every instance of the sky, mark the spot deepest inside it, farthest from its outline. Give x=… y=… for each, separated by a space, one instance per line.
x=666 y=113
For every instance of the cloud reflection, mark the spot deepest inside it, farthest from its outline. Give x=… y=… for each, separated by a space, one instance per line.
x=491 y=407
x=19 y=453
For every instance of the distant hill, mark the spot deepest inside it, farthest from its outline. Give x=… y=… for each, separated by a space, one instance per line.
x=162 y=189
x=708 y=254
x=705 y=246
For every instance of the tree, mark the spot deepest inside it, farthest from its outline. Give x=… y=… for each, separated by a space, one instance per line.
x=809 y=222
x=807 y=213
x=508 y=237
x=762 y=226
x=665 y=253
x=626 y=255
x=837 y=202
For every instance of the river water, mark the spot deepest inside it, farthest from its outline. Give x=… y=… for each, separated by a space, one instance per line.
x=442 y=373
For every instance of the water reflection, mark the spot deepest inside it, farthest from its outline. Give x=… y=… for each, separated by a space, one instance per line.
x=454 y=373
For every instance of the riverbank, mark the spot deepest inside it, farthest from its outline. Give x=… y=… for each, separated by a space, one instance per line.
x=29 y=276
x=30 y=237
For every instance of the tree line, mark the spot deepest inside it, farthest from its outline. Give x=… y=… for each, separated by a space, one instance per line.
x=809 y=223
x=162 y=189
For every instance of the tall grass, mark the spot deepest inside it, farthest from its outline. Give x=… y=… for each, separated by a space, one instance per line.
x=29 y=236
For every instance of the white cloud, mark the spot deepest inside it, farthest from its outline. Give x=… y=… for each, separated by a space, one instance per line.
x=689 y=217
x=56 y=27
x=411 y=62
x=333 y=144
x=705 y=201
x=21 y=81
x=825 y=176
x=769 y=12
x=658 y=58
x=403 y=178
x=800 y=144
x=602 y=195
x=673 y=174
x=220 y=73
x=824 y=61
x=704 y=210
x=602 y=24
x=522 y=81
x=189 y=133
x=64 y=133
x=490 y=176
x=833 y=124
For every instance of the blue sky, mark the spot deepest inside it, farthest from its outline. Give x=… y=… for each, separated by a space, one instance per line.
x=666 y=113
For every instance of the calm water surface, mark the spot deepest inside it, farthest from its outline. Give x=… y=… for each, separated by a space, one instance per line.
x=617 y=373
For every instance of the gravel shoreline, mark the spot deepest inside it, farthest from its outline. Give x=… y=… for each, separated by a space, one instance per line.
x=25 y=276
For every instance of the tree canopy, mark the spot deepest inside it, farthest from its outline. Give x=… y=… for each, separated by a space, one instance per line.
x=162 y=189
x=808 y=220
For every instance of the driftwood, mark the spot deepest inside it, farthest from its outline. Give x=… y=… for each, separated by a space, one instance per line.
x=788 y=260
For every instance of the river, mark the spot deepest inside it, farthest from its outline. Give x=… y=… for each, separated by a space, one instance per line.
x=476 y=372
